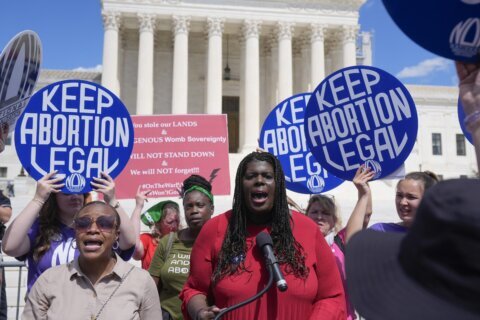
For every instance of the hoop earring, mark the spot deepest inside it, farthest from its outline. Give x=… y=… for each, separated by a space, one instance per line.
x=74 y=244
x=116 y=245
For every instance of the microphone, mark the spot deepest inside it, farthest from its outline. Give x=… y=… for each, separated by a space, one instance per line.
x=264 y=241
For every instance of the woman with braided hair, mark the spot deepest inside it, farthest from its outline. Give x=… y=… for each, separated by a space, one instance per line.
x=171 y=262
x=227 y=268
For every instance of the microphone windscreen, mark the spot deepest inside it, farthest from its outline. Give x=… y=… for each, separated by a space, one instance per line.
x=263 y=239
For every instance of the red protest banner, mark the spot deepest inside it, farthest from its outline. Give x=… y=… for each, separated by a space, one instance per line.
x=169 y=148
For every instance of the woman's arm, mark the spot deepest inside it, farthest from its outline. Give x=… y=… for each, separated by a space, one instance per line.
x=156 y=265
x=16 y=242
x=196 y=289
x=356 y=221
x=198 y=309
x=106 y=186
x=140 y=200
x=469 y=91
x=5 y=214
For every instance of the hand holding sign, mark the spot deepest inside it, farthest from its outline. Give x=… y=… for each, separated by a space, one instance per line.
x=361 y=178
x=361 y=115
x=106 y=186
x=50 y=183
x=469 y=86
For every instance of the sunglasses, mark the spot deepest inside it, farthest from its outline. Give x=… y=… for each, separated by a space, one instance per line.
x=104 y=223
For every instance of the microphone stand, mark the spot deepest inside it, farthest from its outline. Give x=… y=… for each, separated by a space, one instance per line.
x=258 y=295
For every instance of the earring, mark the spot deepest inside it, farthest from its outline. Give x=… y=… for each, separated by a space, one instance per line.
x=74 y=244
x=116 y=245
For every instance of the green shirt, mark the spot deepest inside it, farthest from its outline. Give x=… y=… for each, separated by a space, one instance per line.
x=172 y=271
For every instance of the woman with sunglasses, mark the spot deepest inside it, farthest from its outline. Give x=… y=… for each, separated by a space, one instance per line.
x=171 y=263
x=97 y=284
x=42 y=233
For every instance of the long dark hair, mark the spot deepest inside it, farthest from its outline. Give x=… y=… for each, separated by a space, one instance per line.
x=287 y=249
x=48 y=225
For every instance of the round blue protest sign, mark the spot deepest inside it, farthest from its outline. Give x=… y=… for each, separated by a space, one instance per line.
x=283 y=135
x=19 y=69
x=461 y=120
x=449 y=28
x=78 y=128
x=361 y=115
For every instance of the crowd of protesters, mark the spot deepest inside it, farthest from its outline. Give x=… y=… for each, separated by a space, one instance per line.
x=425 y=266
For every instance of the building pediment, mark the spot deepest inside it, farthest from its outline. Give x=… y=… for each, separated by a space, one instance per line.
x=303 y=5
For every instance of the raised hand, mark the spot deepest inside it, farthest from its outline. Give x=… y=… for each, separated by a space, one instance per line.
x=141 y=197
x=49 y=183
x=361 y=178
x=469 y=86
x=106 y=186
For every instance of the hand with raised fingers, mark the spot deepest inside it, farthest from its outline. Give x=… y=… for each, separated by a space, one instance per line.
x=49 y=183
x=105 y=185
x=141 y=197
x=362 y=176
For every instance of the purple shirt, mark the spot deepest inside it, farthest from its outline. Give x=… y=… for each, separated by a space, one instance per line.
x=60 y=252
x=388 y=227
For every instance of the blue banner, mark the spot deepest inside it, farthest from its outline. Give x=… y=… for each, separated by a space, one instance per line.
x=449 y=28
x=361 y=115
x=283 y=135
x=78 y=128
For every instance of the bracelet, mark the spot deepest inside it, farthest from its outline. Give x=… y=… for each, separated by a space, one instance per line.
x=471 y=121
x=40 y=202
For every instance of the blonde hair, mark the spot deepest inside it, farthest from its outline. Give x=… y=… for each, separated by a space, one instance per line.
x=326 y=204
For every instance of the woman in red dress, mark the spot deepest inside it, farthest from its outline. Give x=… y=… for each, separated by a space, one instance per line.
x=227 y=268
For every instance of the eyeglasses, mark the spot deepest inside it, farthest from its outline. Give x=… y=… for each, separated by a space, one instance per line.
x=104 y=223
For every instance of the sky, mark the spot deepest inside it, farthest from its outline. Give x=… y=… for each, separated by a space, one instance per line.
x=71 y=32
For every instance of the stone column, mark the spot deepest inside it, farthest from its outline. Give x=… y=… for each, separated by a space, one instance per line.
x=306 y=53
x=349 y=36
x=284 y=34
x=242 y=64
x=145 y=64
x=272 y=45
x=317 y=58
x=250 y=115
x=111 y=24
x=213 y=104
x=367 y=48
x=180 y=30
